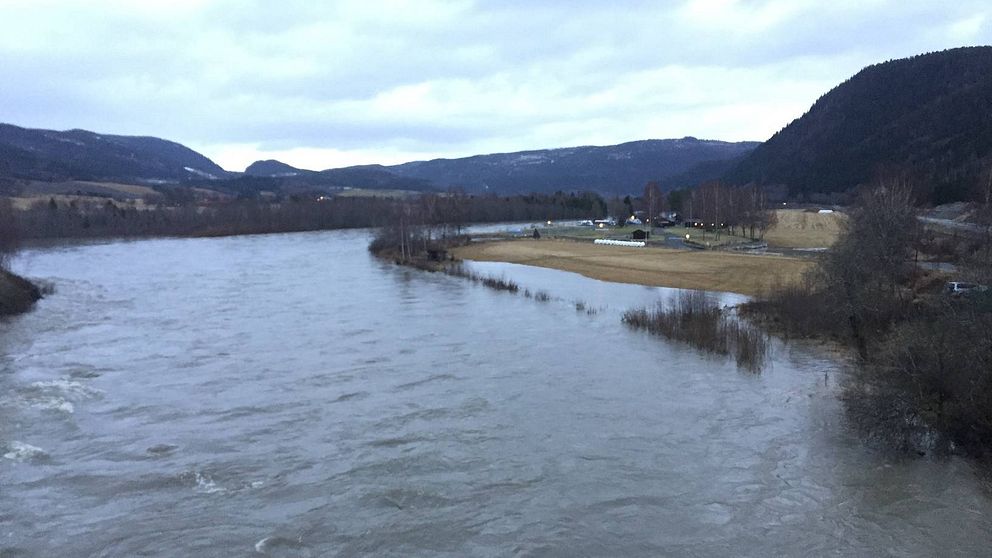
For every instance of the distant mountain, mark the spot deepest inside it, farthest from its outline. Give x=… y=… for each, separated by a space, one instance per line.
x=373 y=177
x=79 y=154
x=273 y=168
x=928 y=117
x=274 y=176
x=615 y=169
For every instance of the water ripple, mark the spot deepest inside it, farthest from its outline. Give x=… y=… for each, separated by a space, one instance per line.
x=289 y=395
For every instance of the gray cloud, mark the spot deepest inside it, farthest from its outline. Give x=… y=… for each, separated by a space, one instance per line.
x=331 y=83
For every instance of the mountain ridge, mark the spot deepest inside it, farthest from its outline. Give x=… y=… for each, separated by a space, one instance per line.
x=613 y=169
x=33 y=153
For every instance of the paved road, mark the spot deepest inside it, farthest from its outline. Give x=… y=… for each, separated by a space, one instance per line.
x=946 y=267
x=956 y=225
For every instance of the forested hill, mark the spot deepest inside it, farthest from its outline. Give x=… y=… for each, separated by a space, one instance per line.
x=928 y=118
x=271 y=167
x=614 y=169
x=80 y=154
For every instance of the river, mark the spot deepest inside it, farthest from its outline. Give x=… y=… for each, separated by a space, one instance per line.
x=289 y=395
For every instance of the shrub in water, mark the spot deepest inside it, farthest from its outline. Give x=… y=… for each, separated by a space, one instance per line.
x=694 y=318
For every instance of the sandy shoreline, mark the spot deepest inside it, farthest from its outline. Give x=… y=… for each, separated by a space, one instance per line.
x=659 y=267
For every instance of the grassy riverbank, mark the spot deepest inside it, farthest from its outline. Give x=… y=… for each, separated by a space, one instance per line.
x=17 y=294
x=660 y=267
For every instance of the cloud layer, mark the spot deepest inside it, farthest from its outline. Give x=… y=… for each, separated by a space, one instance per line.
x=321 y=85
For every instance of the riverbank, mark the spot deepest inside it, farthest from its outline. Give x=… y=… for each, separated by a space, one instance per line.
x=658 y=267
x=17 y=294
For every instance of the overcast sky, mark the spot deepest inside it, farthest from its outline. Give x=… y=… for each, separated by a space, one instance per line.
x=328 y=84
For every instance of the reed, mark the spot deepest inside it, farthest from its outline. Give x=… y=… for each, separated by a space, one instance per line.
x=495 y=283
x=694 y=318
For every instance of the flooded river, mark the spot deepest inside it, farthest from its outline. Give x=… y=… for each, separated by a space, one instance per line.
x=288 y=395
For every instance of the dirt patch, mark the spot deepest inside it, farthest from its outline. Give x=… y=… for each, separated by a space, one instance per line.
x=660 y=267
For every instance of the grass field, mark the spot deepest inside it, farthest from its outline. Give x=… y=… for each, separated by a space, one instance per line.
x=72 y=187
x=27 y=202
x=661 y=267
x=799 y=229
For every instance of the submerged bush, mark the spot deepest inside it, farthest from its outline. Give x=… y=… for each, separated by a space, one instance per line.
x=500 y=284
x=787 y=310
x=694 y=318
x=750 y=345
x=495 y=283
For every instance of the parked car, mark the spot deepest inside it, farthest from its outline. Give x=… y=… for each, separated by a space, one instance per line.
x=958 y=288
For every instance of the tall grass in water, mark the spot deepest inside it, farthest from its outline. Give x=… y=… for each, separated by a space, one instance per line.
x=495 y=283
x=696 y=319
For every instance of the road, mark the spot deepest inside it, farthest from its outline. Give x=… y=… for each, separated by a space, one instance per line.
x=954 y=225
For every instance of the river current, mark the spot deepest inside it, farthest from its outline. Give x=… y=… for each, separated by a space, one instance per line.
x=289 y=395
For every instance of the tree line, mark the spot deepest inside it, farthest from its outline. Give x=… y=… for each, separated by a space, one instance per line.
x=414 y=226
x=59 y=218
x=743 y=210
x=737 y=209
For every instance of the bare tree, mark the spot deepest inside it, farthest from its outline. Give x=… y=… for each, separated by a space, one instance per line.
x=866 y=270
x=754 y=213
x=982 y=259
